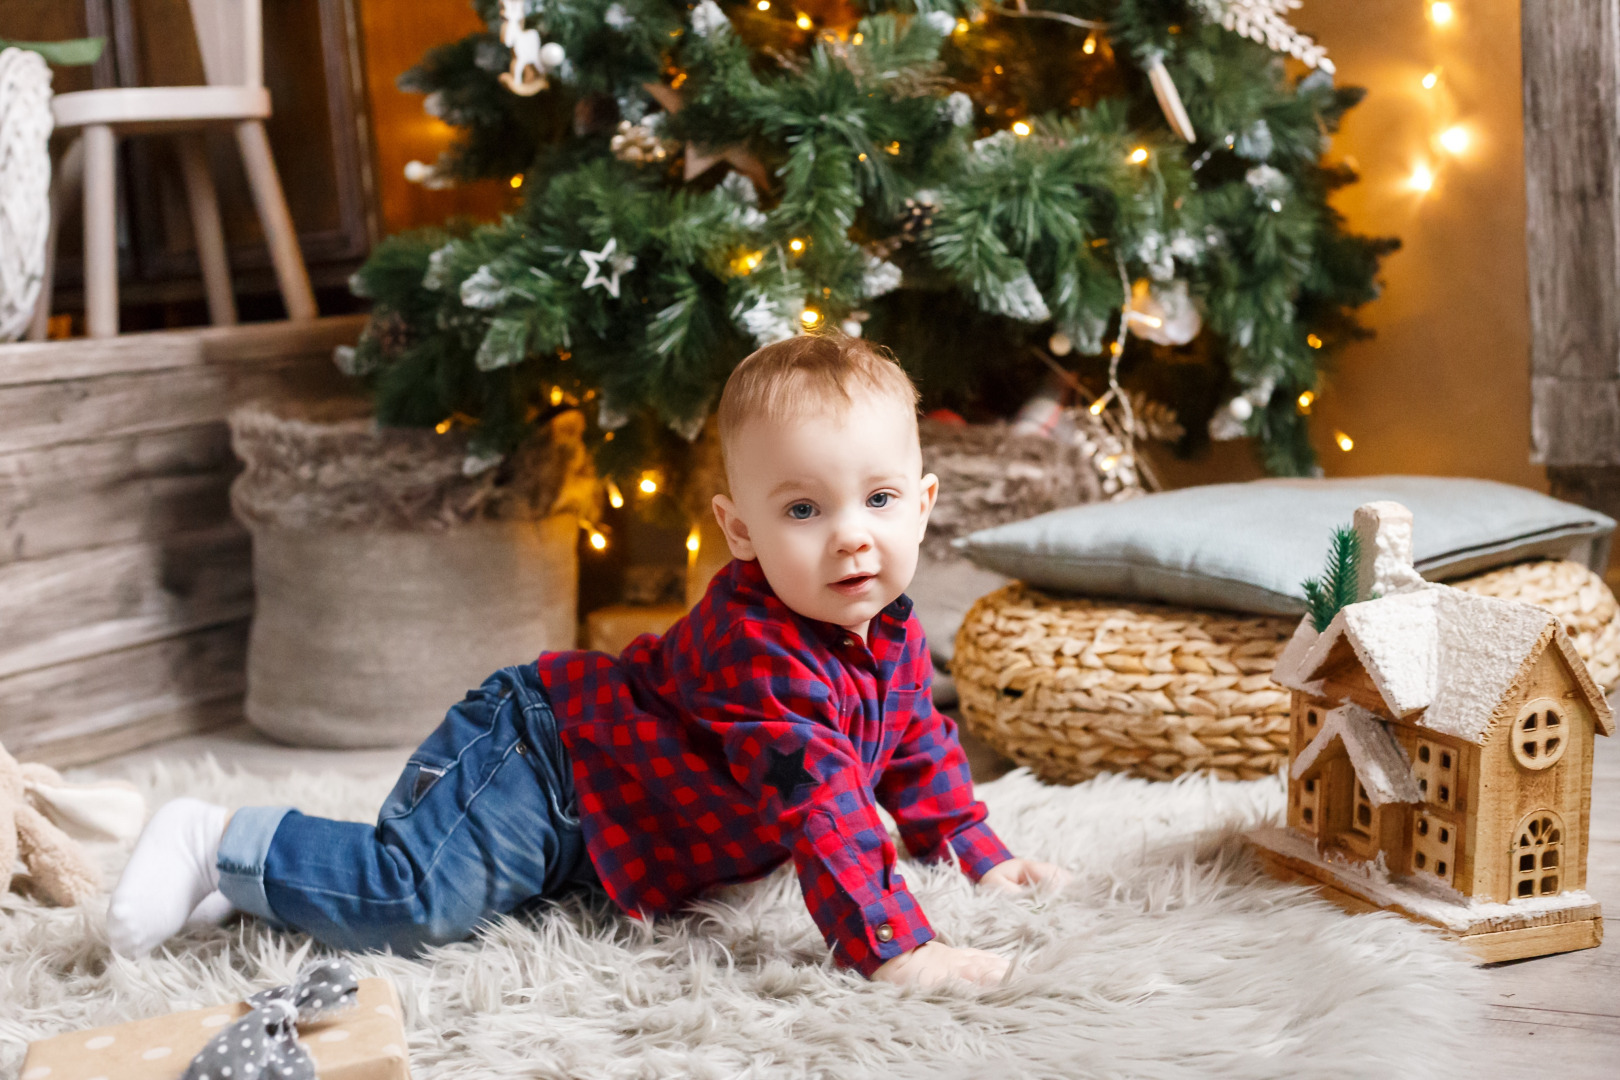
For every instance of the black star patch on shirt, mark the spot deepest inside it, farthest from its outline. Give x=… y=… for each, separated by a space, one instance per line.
x=787 y=772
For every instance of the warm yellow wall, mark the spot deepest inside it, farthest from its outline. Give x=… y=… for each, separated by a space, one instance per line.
x=1444 y=388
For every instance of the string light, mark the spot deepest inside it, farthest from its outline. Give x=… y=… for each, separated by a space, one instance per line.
x=803 y=22
x=598 y=541
x=615 y=496
x=648 y=485
x=1431 y=79
x=1346 y=443
x=747 y=262
x=1090 y=44
x=1454 y=139
x=693 y=542
x=443 y=426
x=1096 y=407
x=809 y=316
x=893 y=148
x=1441 y=12
x=962 y=26
x=764 y=5
x=556 y=395
x=517 y=181
x=1305 y=401
x=796 y=245
x=1021 y=128
x=1138 y=155
x=1421 y=179
x=1313 y=341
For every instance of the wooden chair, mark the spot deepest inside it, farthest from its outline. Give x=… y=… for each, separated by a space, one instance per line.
x=228 y=36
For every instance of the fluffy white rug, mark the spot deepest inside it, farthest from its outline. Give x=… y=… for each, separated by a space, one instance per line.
x=1169 y=956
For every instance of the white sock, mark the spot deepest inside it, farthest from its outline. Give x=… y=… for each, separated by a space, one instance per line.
x=171 y=872
x=213 y=911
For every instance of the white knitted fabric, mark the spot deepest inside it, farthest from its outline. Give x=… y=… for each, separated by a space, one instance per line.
x=25 y=185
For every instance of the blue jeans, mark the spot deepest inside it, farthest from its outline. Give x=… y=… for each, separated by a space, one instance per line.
x=482 y=820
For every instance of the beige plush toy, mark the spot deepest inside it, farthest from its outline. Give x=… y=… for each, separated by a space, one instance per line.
x=40 y=817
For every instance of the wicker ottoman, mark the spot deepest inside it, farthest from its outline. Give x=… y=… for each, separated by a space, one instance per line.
x=1072 y=687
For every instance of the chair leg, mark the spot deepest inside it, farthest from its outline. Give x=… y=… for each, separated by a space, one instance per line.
x=100 y=231
x=206 y=228
x=278 y=225
x=69 y=178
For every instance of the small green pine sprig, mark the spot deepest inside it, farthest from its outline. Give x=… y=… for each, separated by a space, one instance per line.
x=1336 y=588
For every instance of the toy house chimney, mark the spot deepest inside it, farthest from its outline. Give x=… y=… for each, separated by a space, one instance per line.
x=1385 y=532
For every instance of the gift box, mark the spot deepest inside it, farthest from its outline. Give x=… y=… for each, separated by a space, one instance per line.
x=363 y=1043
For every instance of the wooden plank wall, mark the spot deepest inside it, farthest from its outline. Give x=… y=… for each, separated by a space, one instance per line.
x=125 y=585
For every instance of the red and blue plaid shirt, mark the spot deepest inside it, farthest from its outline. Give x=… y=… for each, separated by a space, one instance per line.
x=748 y=735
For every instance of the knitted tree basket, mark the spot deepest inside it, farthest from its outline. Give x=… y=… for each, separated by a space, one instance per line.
x=1072 y=687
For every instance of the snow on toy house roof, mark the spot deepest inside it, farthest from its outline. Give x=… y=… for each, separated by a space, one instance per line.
x=1380 y=764
x=1446 y=652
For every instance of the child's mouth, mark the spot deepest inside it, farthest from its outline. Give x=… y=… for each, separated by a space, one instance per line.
x=855 y=584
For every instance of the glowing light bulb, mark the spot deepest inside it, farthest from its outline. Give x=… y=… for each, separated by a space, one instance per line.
x=692 y=542
x=442 y=427
x=893 y=148
x=1430 y=80
x=556 y=395
x=764 y=5
x=516 y=181
x=1305 y=401
x=615 y=496
x=1021 y=129
x=1138 y=155
x=1098 y=406
x=796 y=245
x=648 y=485
x=598 y=541
x=1421 y=179
x=1441 y=12
x=1346 y=443
x=1090 y=44
x=1454 y=139
x=962 y=26
x=809 y=316
x=1314 y=342
x=858 y=38
x=803 y=22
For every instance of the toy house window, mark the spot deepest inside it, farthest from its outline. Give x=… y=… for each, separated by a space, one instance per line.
x=1309 y=803
x=1538 y=855
x=1361 y=814
x=1436 y=774
x=1434 y=847
x=1540 y=733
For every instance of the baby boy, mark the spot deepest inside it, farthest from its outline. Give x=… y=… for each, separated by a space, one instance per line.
x=767 y=725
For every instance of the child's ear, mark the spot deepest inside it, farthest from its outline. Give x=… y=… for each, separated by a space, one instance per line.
x=929 y=495
x=735 y=529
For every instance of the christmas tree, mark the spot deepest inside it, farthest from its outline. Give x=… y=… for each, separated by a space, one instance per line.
x=1131 y=190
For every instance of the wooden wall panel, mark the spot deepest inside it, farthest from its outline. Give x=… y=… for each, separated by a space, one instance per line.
x=1571 y=52
x=125 y=586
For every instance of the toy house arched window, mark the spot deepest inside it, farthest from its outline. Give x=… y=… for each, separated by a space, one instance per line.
x=1540 y=733
x=1538 y=864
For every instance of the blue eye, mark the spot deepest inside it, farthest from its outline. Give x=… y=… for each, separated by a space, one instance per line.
x=880 y=500
x=801 y=511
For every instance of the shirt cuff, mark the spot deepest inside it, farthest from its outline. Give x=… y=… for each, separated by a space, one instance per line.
x=978 y=848
x=871 y=935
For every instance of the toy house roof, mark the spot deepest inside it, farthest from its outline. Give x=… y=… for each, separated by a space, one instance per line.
x=1380 y=763
x=1446 y=655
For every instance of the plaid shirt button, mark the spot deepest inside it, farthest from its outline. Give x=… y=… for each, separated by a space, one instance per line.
x=885 y=932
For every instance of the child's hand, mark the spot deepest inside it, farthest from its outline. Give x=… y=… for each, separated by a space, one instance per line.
x=931 y=963
x=1015 y=875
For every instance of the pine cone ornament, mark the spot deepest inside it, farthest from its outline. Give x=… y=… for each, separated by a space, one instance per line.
x=917 y=219
x=638 y=144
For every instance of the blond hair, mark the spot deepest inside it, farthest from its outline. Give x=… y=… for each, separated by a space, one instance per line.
x=812 y=374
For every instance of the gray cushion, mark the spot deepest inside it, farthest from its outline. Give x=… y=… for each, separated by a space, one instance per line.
x=1247 y=547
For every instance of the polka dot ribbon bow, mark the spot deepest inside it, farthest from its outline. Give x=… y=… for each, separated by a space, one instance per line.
x=263 y=1045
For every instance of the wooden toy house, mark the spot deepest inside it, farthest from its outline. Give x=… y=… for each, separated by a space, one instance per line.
x=1441 y=758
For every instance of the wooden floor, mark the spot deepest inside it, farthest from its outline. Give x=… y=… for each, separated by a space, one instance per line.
x=1556 y=1016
